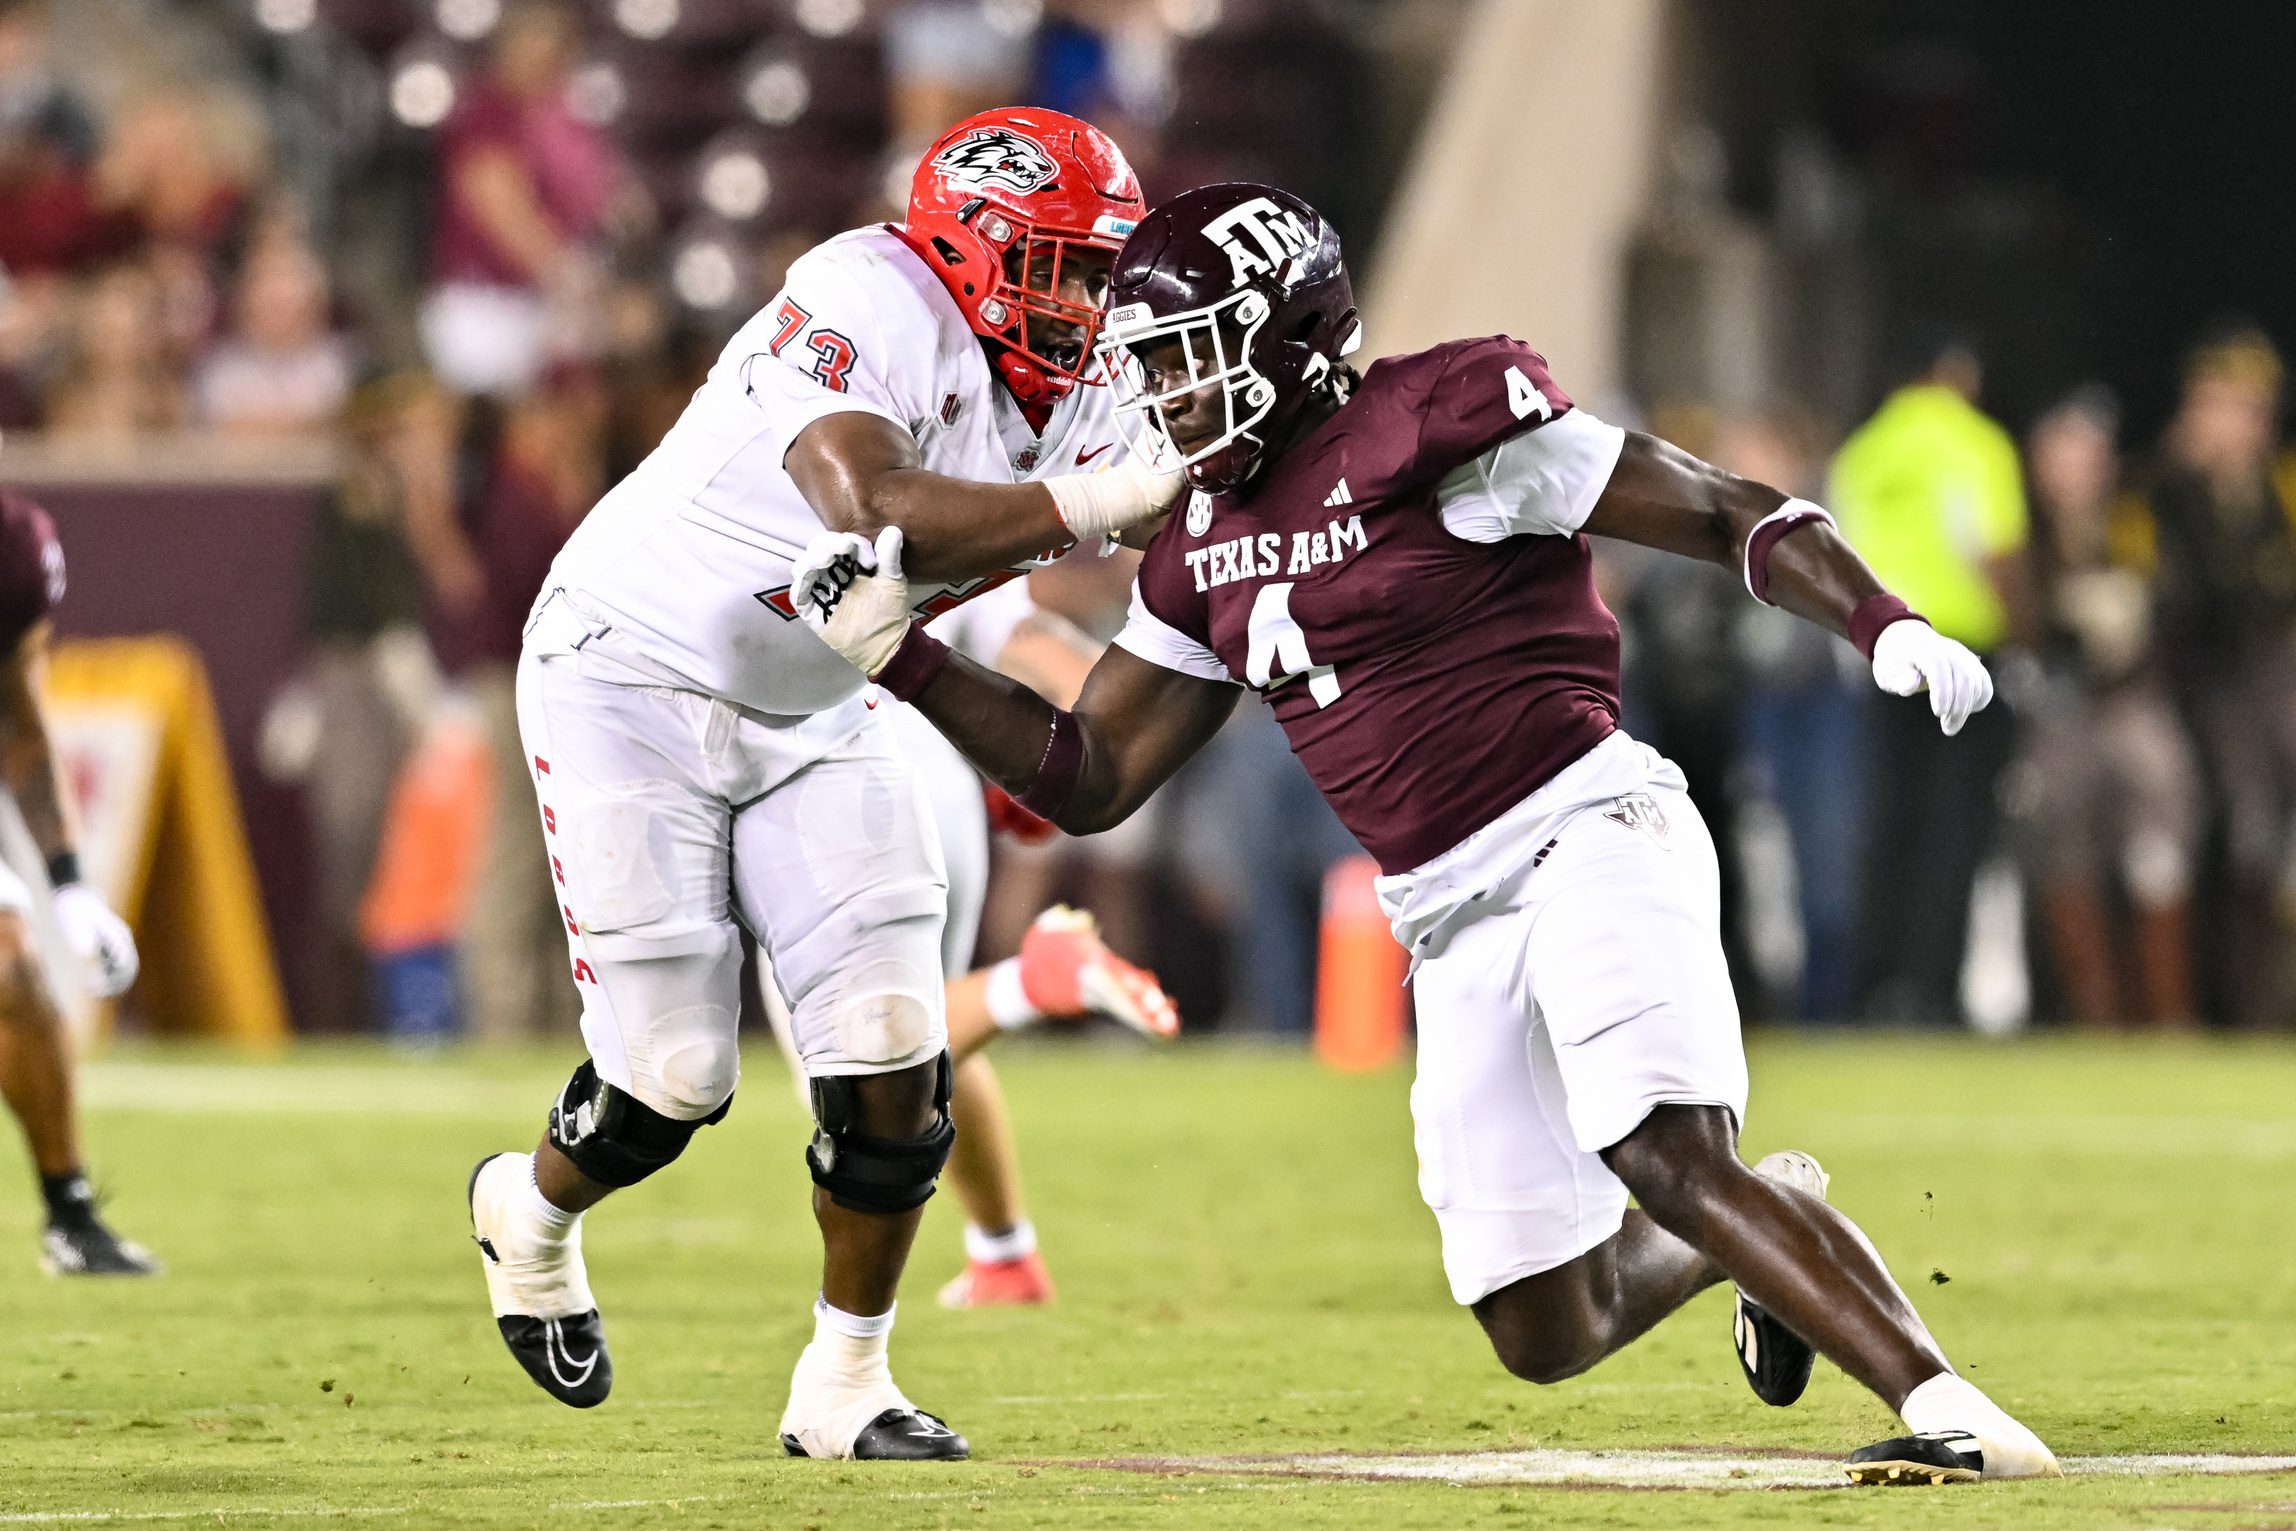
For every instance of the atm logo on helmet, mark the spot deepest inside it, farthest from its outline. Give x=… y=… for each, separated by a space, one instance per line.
x=997 y=157
x=1258 y=236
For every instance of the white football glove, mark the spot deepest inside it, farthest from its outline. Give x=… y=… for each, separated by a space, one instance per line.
x=1910 y=656
x=1114 y=499
x=852 y=594
x=100 y=938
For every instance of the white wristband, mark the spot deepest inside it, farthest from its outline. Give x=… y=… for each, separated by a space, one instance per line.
x=1755 y=569
x=1113 y=500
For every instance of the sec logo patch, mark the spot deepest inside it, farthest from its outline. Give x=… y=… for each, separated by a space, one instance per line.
x=1199 y=513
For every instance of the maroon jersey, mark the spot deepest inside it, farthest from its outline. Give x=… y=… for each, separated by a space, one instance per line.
x=1428 y=683
x=31 y=567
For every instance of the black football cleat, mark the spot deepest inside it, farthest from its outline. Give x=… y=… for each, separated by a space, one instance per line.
x=1938 y=1456
x=900 y=1435
x=566 y=1357
x=84 y=1246
x=1775 y=1360
x=538 y=1288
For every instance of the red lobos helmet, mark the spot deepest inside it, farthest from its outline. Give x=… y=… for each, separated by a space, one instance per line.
x=1249 y=279
x=1001 y=203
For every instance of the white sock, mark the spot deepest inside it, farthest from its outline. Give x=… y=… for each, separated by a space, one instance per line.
x=1948 y=1402
x=871 y=1328
x=1016 y=1243
x=1007 y=998
x=554 y=1221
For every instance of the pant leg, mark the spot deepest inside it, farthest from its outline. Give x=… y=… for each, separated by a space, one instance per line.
x=636 y=843
x=1512 y=1191
x=838 y=870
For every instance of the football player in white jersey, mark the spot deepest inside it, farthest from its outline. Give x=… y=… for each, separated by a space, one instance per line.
x=705 y=764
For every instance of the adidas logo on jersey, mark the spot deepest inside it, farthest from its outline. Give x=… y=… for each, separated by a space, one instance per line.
x=1339 y=496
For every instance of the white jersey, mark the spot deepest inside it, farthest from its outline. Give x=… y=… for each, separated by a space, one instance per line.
x=682 y=571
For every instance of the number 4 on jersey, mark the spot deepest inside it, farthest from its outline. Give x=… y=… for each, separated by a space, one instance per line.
x=1274 y=639
x=1524 y=398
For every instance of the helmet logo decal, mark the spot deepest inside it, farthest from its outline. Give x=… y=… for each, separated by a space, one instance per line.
x=1258 y=236
x=988 y=157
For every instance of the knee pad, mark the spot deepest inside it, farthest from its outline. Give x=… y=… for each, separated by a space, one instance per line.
x=612 y=1136
x=882 y=1176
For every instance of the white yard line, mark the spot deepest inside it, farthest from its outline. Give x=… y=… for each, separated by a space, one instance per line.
x=218 y=1512
x=1645 y=1469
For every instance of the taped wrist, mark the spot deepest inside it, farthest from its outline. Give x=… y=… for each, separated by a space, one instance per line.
x=916 y=660
x=1765 y=537
x=1874 y=613
x=1055 y=774
x=613 y=1137
x=879 y=1176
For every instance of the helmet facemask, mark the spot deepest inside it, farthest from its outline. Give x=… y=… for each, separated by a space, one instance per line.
x=1215 y=346
x=1024 y=310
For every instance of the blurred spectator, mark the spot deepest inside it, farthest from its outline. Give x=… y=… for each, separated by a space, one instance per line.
x=344 y=726
x=2110 y=787
x=1801 y=733
x=948 y=60
x=119 y=379
x=2220 y=500
x=282 y=370
x=525 y=191
x=1930 y=492
x=532 y=468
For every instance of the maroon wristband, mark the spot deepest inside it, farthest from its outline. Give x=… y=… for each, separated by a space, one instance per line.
x=1056 y=774
x=1767 y=536
x=1874 y=613
x=916 y=660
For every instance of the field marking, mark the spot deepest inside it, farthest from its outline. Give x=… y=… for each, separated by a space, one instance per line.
x=222 y=1512
x=218 y=1512
x=1640 y=1469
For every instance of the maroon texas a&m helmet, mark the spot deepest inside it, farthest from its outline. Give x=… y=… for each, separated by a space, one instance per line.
x=1250 y=281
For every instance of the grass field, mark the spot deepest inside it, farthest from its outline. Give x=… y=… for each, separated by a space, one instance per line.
x=1245 y=1269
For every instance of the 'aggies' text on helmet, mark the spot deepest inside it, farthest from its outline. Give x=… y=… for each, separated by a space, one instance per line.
x=1235 y=287
x=1011 y=207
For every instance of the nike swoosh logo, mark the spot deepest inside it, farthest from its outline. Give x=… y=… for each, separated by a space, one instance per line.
x=1084 y=457
x=553 y=1346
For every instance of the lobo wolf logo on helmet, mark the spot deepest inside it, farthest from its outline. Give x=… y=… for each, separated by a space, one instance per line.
x=997 y=157
x=1277 y=234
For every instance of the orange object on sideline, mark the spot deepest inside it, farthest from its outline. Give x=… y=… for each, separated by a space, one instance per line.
x=433 y=832
x=1360 y=1004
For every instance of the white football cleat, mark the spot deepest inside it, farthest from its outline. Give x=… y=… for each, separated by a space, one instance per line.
x=843 y=1406
x=537 y=1284
x=1067 y=970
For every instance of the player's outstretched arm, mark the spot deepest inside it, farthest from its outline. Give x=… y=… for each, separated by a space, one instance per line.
x=1662 y=497
x=1134 y=725
x=861 y=473
x=1086 y=770
x=1790 y=555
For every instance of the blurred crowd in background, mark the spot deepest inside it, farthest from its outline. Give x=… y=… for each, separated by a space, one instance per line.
x=486 y=248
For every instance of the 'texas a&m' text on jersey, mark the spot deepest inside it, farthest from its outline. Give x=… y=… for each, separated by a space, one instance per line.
x=682 y=570
x=1408 y=586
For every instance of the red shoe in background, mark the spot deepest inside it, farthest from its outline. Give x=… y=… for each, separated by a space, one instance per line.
x=1021 y=1283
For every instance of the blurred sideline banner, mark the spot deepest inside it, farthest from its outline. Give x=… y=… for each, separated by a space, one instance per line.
x=1527 y=185
x=142 y=758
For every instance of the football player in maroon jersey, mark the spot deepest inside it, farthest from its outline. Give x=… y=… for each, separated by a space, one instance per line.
x=1399 y=563
x=35 y=1048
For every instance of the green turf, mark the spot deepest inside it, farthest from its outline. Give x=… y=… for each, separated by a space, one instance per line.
x=1244 y=1268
